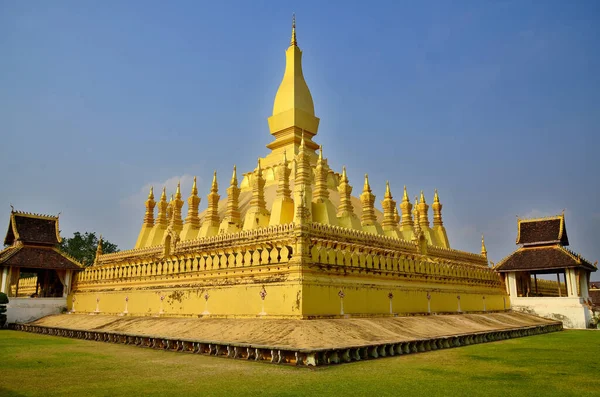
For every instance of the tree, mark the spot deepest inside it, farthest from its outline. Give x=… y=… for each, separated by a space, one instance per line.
x=83 y=247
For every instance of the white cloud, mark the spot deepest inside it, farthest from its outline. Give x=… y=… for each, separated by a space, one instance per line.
x=137 y=199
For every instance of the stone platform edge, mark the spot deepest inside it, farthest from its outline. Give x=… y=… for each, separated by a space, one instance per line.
x=290 y=356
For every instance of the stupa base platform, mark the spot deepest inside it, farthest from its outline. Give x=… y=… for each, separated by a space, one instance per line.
x=297 y=342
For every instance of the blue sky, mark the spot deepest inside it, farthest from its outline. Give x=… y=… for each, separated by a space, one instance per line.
x=495 y=104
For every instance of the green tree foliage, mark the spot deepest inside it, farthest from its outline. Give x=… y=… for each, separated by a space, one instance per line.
x=83 y=247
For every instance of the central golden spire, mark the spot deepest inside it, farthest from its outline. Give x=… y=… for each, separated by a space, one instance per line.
x=293 y=92
x=293 y=108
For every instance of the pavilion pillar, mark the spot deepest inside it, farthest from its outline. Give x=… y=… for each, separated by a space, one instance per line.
x=558 y=282
x=512 y=284
x=4 y=280
x=584 y=283
x=67 y=286
x=571 y=282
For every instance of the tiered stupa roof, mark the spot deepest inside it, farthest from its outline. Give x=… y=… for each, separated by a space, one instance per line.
x=271 y=194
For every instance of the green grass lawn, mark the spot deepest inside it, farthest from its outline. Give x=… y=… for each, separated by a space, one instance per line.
x=557 y=364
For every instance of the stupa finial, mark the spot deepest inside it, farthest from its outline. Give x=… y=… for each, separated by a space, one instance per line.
x=366 y=187
x=293 y=41
x=437 y=210
x=151 y=194
x=178 y=191
x=259 y=168
x=214 y=186
x=194 y=187
x=234 y=180
x=388 y=193
x=483 y=250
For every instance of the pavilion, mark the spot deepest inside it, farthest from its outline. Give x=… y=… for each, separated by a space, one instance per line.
x=36 y=274
x=543 y=253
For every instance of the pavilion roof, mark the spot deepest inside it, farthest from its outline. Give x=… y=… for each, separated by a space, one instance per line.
x=542 y=258
x=32 y=229
x=39 y=257
x=550 y=230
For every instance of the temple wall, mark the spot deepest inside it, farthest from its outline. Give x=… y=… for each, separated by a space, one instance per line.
x=238 y=300
x=236 y=271
x=23 y=310
x=571 y=311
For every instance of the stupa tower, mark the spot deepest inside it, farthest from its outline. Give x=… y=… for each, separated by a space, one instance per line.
x=293 y=110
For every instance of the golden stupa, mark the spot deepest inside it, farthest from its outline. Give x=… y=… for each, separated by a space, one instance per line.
x=291 y=241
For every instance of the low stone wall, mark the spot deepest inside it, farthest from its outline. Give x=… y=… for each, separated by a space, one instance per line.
x=571 y=311
x=299 y=357
x=22 y=310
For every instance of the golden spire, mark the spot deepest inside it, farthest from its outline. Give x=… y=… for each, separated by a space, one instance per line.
x=214 y=186
x=194 y=187
x=388 y=194
x=293 y=92
x=212 y=212
x=367 y=199
x=258 y=192
x=193 y=201
x=366 y=186
x=406 y=207
x=302 y=143
x=293 y=108
x=232 y=214
x=483 y=250
x=176 y=206
x=423 y=212
x=416 y=216
x=389 y=206
x=321 y=170
x=437 y=210
x=396 y=215
x=234 y=180
x=283 y=179
x=344 y=176
x=293 y=42
x=150 y=203
x=257 y=214
x=170 y=209
x=161 y=219
x=345 y=207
